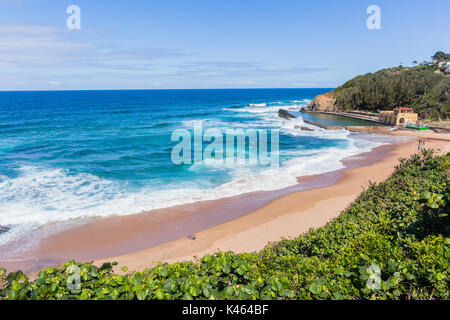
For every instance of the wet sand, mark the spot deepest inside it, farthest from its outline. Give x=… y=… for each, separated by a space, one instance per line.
x=242 y=224
x=288 y=216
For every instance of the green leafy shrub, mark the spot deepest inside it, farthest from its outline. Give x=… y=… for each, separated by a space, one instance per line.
x=420 y=88
x=391 y=243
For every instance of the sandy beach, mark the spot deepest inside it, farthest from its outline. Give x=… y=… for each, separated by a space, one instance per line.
x=241 y=224
x=288 y=216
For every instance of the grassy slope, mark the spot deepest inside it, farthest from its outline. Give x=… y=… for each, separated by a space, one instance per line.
x=400 y=226
x=418 y=87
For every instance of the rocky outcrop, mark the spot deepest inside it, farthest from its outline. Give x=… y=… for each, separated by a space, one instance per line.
x=304 y=128
x=373 y=129
x=324 y=102
x=335 y=128
x=285 y=114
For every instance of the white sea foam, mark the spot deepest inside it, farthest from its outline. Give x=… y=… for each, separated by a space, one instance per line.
x=257 y=104
x=304 y=101
x=39 y=196
x=42 y=196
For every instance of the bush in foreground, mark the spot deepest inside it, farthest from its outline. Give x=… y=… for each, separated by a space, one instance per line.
x=391 y=243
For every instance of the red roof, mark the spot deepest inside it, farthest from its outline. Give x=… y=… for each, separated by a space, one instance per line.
x=403 y=108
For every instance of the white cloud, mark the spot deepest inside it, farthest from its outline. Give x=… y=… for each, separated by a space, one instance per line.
x=37 y=54
x=34 y=57
x=37 y=46
x=42 y=46
x=54 y=83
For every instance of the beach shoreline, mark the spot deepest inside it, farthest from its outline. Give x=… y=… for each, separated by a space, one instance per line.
x=288 y=216
x=189 y=231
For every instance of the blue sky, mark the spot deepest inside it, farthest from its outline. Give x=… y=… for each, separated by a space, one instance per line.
x=211 y=43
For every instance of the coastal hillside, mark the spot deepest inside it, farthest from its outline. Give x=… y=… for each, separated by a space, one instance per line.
x=425 y=88
x=391 y=243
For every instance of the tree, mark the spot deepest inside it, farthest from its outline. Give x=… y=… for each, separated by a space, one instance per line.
x=440 y=55
x=420 y=88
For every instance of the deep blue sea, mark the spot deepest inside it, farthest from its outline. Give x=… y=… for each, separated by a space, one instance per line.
x=74 y=154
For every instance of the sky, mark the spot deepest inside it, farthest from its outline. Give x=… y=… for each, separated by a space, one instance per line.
x=197 y=44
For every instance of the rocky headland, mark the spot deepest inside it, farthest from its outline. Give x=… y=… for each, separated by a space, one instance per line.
x=324 y=103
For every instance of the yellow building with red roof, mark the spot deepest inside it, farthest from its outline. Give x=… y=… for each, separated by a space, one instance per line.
x=398 y=116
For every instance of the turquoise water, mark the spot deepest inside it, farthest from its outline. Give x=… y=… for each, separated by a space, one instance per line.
x=335 y=120
x=76 y=154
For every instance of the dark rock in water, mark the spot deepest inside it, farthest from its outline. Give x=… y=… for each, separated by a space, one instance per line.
x=304 y=128
x=285 y=114
x=3 y=229
x=305 y=109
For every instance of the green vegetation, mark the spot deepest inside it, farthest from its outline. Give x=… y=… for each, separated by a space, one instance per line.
x=420 y=88
x=397 y=229
x=441 y=56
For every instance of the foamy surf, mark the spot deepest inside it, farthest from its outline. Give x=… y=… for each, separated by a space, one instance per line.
x=40 y=195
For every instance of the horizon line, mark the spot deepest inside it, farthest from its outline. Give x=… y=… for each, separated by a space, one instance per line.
x=155 y=89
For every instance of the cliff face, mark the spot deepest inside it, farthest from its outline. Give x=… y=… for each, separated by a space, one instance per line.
x=323 y=102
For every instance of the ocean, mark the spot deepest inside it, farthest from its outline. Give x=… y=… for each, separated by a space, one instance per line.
x=71 y=155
